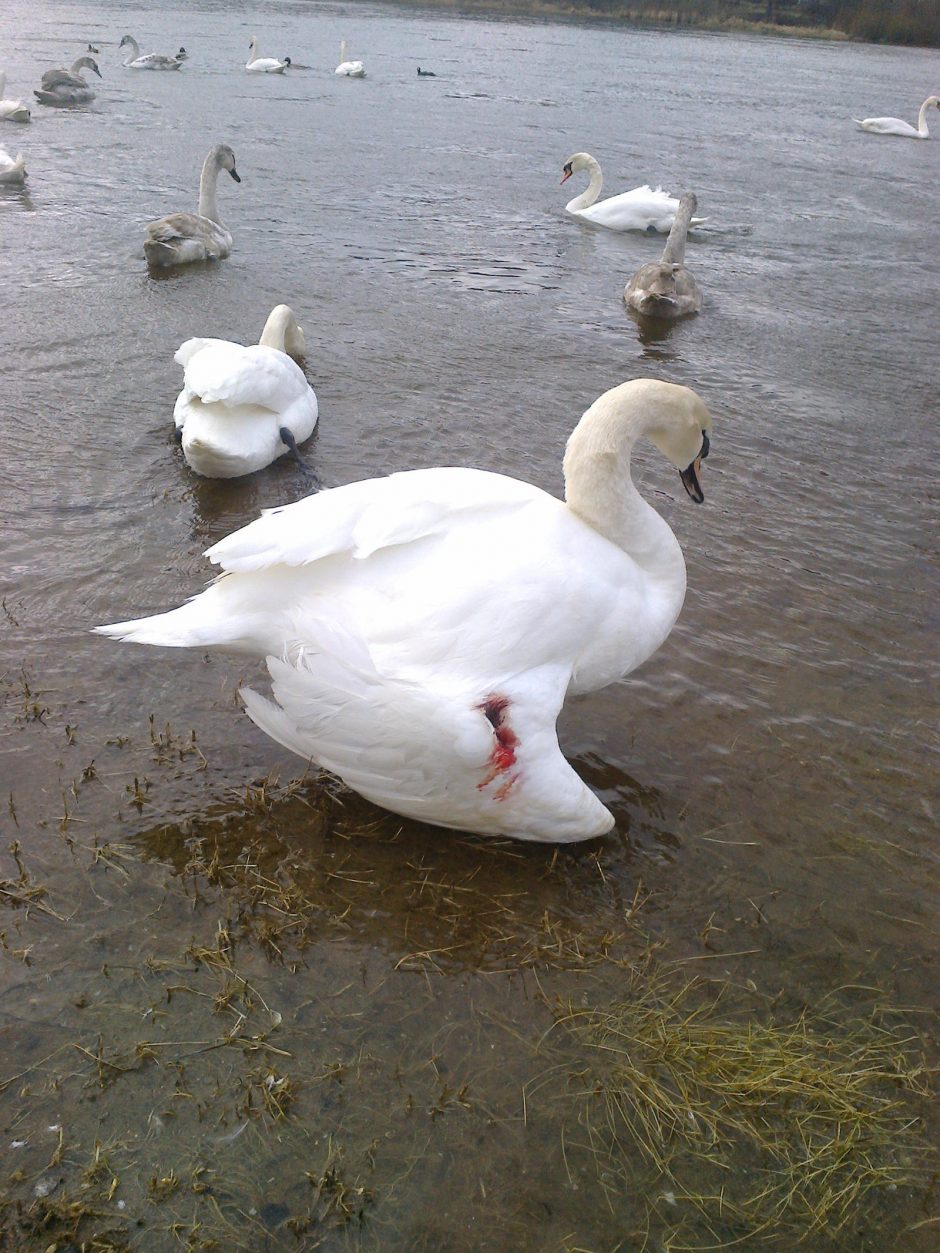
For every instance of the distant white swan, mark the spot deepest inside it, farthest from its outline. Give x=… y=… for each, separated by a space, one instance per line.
x=895 y=125
x=638 y=210
x=422 y=631
x=11 y=110
x=150 y=61
x=182 y=237
x=12 y=170
x=243 y=407
x=68 y=86
x=665 y=288
x=351 y=69
x=264 y=65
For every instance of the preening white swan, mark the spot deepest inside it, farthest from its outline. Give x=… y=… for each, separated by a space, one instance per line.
x=202 y=236
x=12 y=170
x=638 y=210
x=68 y=86
x=11 y=110
x=665 y=288
x=351 y=69
x=895 y=125
x=150 y=61
x=242 y=408
x=263 y=65
x=422 y=630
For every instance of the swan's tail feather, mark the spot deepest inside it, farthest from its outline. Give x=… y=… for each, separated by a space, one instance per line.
x=186 y=627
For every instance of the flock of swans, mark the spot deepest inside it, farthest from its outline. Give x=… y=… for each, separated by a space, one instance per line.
x=422 y=631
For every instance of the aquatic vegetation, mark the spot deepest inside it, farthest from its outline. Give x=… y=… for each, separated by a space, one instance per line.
x=750 y=1126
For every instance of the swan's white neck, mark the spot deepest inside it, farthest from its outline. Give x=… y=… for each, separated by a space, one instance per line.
x=922 y=118
x=253 y=49
x=281 y=331
x=599 y=488
x=133 y=49
x=3 y=82
x=208 y=208
x=592 y=191
x=342 y=51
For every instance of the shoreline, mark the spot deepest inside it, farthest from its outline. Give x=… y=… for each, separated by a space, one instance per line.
x=628 y=17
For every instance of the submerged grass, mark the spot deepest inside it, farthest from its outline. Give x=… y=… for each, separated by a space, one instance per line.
x=753 y=1129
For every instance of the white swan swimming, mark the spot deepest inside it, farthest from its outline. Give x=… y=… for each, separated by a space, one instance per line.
x=11 y=110
x=68 y=86
x=202 y=236
x=243 y=407
x=351 y=69
x=264 y=65
x=12 y=170
x=665 y=288
x=150 y=61
x=641 y=209
x=423 y=630
x=896 y=126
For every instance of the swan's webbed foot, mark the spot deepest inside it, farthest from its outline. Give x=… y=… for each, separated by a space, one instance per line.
x=287 y=438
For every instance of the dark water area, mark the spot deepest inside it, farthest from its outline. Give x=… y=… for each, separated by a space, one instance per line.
x=241 y=1005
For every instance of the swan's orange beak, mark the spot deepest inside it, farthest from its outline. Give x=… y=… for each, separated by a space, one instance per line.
x=567 y=173
x=690 y=481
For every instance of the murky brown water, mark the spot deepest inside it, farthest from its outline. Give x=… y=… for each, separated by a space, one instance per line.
x=233 y=952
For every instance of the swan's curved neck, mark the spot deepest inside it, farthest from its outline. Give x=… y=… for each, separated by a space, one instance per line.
x=253 y=49
x=599 y=488
x=79 y=65
x=133 y=49
x=593 y=190
x=208 y=208
x=922 y=118
x=282 y=332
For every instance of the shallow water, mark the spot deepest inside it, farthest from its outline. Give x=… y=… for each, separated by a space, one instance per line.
x=772 y=769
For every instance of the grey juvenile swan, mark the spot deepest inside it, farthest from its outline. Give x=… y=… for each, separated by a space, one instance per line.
x=665 y=288
x=202 y=236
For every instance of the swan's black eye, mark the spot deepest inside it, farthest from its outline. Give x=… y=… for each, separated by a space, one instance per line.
x=705 y=445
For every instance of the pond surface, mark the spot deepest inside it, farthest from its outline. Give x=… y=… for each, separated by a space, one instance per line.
x=244 y=1006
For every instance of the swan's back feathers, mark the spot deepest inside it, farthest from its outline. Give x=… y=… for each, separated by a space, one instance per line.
x=231 y=375
x=361 y=518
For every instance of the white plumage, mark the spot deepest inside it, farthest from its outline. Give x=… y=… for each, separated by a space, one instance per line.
x=237 y=402
x=350 y=69
x=641 y=209
x=149 y=61
x=897 y=126
x=12 y=169
x=11 y=110
x=263 y=65
x=421 y=631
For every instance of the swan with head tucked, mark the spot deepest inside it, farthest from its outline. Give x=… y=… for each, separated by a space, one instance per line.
x=12 y=169
x=264 y=65
x=68 y=86
x=202 y=236
x=149 y=61
x=351 y=69
x=243 y=407
x=641 y=209
x=665 y=288
x=11 y=110
x=422 y=631
x=896 y=126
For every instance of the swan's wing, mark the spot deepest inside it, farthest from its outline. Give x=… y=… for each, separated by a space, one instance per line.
x=61 y=78
x=363 y=517
x=177 y=226
x=232 y=375
x=483 y=759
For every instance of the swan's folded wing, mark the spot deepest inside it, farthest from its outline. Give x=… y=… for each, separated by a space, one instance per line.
x=228 y=374
x=61 y=78
x=484 y=760
x=364 y=517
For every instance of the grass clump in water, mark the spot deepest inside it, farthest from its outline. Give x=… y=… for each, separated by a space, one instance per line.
x=768 y=1129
